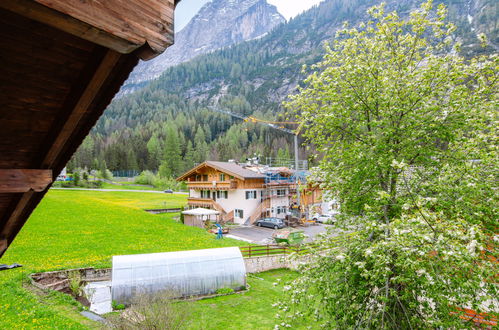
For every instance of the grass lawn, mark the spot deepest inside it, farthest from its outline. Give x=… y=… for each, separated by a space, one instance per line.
x=125 y=186
x=137 y=199
x=72 y=229
x=248 y=310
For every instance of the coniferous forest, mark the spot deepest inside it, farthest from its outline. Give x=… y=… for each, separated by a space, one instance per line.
x=168 y=126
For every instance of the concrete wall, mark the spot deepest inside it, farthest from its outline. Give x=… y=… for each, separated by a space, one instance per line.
x=264 y=263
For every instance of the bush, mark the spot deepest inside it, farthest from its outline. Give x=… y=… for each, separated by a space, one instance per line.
x=149 y=178
x=76 y=178
x=117 y=306
x=146 y=177
x=153 y=311
x=75 y=282
x=105 y=174
x=225 y=291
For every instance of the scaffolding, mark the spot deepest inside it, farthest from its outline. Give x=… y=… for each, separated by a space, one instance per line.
x=281 y=180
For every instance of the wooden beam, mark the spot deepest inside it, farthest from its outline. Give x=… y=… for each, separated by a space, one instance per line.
x=22 y=180
x=123 y=26
x=61 y=21
x=3 y=245
x=11 y=223
x=105 y=68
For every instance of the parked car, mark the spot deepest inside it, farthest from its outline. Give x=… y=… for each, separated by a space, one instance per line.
x=275 y=223
x=168 y=191
x=324 y=218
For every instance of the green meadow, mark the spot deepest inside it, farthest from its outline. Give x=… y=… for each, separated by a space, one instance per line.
x=71 y=229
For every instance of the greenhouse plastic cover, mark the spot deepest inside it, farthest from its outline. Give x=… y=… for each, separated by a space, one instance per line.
x=182 y=273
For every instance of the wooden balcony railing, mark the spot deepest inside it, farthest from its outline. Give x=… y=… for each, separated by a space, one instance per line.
x=208 y=202
x=222 y=185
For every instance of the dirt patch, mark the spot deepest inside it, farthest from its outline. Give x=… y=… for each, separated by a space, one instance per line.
x=59 y=280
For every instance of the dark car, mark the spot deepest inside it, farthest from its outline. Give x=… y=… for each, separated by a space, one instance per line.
x=168 y=191
x=275 y=223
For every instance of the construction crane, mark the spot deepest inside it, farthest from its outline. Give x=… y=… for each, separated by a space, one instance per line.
x=278 y=125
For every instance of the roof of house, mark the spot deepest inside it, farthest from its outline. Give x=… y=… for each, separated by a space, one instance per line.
x=62 y=63
x=201 y=211
x=233 y=169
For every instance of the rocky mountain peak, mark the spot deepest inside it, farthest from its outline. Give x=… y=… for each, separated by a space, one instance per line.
x=218 y=24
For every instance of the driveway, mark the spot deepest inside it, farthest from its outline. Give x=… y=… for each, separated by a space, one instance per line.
x=262 y=235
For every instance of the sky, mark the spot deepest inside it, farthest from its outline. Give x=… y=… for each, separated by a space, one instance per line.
x=186 y=9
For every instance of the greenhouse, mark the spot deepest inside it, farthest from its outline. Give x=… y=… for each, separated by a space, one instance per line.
x=182 y=273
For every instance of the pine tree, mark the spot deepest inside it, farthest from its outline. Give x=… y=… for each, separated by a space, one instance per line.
x=200 y=145
x=155 y=153
x=172 y=160
x=190 y=156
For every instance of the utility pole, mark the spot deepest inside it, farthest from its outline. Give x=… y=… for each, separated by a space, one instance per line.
x=298 y=197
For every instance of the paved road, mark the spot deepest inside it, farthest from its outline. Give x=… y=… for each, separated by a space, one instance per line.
x=262 y=235
x=125 y=190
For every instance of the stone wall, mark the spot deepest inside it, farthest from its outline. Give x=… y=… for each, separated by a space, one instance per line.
x=59 y=280
x=264 y=263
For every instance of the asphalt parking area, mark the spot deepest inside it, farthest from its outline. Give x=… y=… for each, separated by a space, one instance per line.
x=262 y=235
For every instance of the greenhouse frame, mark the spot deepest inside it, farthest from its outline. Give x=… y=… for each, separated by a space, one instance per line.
x=179 y=274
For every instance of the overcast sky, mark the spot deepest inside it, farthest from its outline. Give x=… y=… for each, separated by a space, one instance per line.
x=186 y=9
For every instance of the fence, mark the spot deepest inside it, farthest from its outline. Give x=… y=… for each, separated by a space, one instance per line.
x=273 y=249
x=269 y=250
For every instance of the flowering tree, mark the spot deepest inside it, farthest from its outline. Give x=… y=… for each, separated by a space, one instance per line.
x=408 y=130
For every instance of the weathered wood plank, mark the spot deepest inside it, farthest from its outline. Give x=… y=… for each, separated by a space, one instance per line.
x=121 y=25
x=141 y=22
x=11 y=222
x=54 y=18
x=24 y=180
x=3 y=245
x=100 y=76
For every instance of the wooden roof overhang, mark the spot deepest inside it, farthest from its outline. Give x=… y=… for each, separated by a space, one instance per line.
x=62 y=62
x=203 y=165
x=217 y=166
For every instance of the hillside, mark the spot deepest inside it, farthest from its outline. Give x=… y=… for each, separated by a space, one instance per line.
x=236 y=21
x=168 y=120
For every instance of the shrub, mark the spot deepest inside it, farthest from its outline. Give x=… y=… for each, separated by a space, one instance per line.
x=117 y=306
x=75 y=283
x=146 y=177
x=153 y=311
x=225 y=291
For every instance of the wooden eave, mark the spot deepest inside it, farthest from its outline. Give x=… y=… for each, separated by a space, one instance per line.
x=62 y=63
x=122 y=25
x=184 y=176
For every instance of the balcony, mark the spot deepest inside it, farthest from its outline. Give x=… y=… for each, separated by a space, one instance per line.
x=205 y=202
x=215 y=185
x=200 y=201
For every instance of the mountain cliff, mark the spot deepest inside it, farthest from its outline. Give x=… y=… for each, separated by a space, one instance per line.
x=251 y=77
x=218 y=24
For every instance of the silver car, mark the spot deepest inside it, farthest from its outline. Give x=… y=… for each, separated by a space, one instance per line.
x=275 y=223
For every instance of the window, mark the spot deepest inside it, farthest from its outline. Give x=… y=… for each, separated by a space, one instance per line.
x=205 y=194
x=222 y=194
x=281 y=192
x=222 y=176
x=198 y=177
x=238 y=213
x=231 y=177
x=251 y=194
x=281 y=209
x=205 y=177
